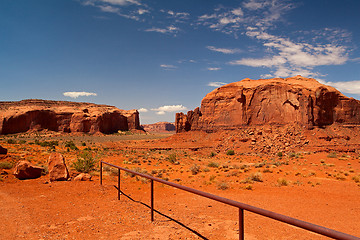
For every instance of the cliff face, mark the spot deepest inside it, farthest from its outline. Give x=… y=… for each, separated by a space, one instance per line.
x=62 y=116
x=296 y=100
x=159 y=127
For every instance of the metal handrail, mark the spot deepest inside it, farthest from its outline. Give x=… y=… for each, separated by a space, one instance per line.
x=279 y=217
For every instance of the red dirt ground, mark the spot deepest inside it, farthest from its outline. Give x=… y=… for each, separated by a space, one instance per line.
x=322 y=189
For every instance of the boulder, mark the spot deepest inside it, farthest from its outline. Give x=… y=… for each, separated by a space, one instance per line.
x=64 y=116
x=57 y=167
x=83 y=177
x=3 y=150
x=25 y=170
x=297 y=100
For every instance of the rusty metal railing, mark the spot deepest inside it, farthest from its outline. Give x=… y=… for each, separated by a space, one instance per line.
x=241 y=206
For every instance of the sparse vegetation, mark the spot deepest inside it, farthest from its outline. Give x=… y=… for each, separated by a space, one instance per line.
x=213 y=164
x=222 y=186
x=85 y=162
x=282 y=182
x=6 y=165
x=195 y=169
x=230 y=152
x=332 y=155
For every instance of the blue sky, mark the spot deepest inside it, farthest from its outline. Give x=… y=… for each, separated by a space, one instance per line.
x=162 y=56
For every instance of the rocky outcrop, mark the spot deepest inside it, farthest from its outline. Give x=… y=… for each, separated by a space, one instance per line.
x=63 y=116
x=25 y=170
x=3 y=150
x=159 y=127
x=297 y=100
x=83 y=177
x=57 y=168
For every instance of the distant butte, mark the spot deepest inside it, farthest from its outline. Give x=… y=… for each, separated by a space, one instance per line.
x=291 y=101
x=64 y=116
x=159 y=127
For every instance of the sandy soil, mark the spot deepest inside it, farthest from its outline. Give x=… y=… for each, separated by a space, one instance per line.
x=321 y=188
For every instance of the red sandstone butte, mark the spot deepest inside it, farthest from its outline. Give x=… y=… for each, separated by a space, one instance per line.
x=159 y=127
x=296 y=100
x=64 y=116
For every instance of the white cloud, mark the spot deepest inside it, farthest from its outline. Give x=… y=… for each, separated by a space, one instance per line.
x=216 y=84
x=352 y=87
x=78 y=94
x=169 y=108
x=292 y=58
x=168 y=66
x=169 y=29
x=213 y=68
x=142 y=11
x=142 y=110
x=224 y=50
x=109 y=9
x=121 y=2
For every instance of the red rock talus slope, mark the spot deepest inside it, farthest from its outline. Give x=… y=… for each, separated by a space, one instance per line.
x=159 y=127
x=62 y=116
x=296 y=100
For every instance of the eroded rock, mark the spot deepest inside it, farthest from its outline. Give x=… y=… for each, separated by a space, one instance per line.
x=57 y=168
x=3 y=150
x=63 y=116
x=301 y=101
x=25 y=170
x=83 y=177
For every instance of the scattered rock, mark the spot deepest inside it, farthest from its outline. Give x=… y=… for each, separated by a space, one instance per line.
x=83 y=177
x=25 y=170
x=57 y=168
x=3 y=150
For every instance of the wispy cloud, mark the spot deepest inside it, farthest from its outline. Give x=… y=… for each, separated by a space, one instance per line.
x=292 y=58
x=216 y=84
x=109 y=9
x=169 y=108
x=352 y=87
x=168 y=66
x=121 y=2
x=213 y=68
x=167 y=30
x=224 y=50
x=78 y=94
x=142 y=110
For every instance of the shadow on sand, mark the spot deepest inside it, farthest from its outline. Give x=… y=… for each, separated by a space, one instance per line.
x=162 y=214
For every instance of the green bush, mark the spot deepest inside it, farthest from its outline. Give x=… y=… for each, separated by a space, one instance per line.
x=172 y=158
x=212 y=154
x=195 y=169
x=230 y=152
x=213 y=164
x=6 y=165
x=85 y=162
x=71 y=145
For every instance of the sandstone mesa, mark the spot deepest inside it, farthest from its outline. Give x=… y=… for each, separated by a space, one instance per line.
x=292 y=101
x=64 y=116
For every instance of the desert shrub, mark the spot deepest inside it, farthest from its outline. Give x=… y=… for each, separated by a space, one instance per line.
x=206 y=170
x=332 y=155
x=172 y=158
x=195 y=169
x=256 y=177
x=11 y=141
x=356 y=178
x=213 y=164
x=83 y=144
x=85 y=162
x=50 y=144
x=282 y=182
x=212 y=154
x=230 y=152
x=248 y=187
x=280 y=154
x=6 y=165
x=222 y=186
x=71 y=145
x=22 y=141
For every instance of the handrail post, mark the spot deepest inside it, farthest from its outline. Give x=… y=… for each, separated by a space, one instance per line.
x=152 y=200
x=100 y=172
x=118 y=183
x=241 y=224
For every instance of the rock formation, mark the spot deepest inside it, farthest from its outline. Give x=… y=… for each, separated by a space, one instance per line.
x=25 y=170
x=3 y=150
x=63 y=116
x=83 y=177
x=57 y=168
x=159 y=127
x=297 y=100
